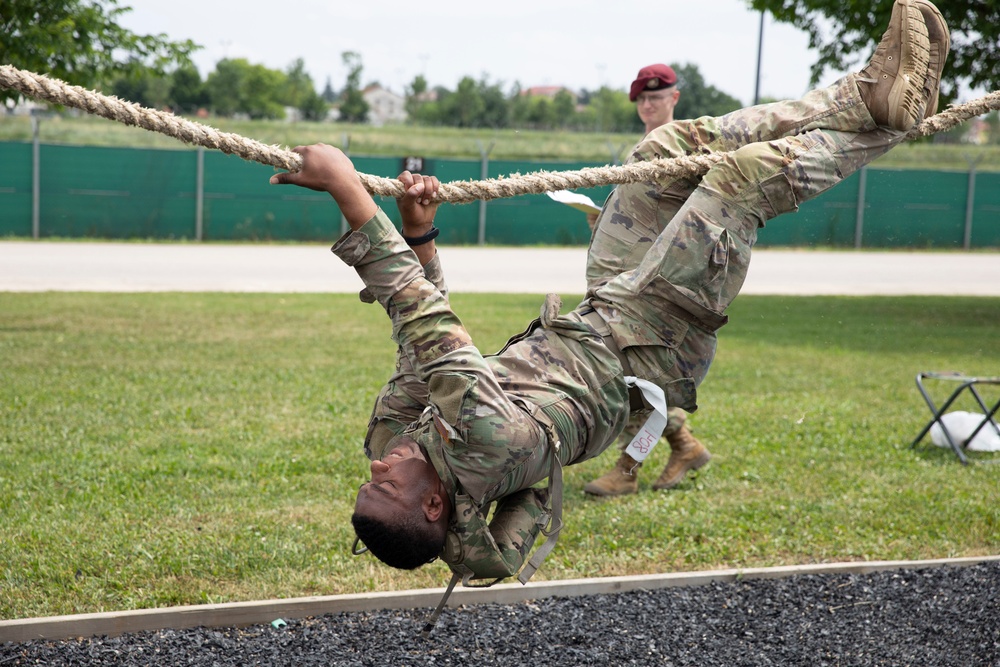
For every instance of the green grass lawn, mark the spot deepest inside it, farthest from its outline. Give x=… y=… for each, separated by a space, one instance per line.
x=166 y=449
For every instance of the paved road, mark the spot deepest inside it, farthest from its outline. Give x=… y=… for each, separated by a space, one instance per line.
x=27 y=266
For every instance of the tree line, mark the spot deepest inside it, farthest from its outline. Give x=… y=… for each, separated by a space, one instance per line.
x=82 y=43
x=238 y=87
x=484 y=104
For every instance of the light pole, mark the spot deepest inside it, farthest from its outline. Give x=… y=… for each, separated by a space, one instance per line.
x=760 y=50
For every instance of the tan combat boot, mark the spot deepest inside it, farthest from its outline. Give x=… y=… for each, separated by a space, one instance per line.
x=621 y=480
x=940 y=39
x=892 y=84
x=686 y=453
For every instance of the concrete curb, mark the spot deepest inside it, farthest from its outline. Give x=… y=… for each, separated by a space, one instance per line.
x=264 y=611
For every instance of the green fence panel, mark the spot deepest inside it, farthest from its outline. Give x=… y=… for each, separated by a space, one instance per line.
x=537 y=219
x=116 y=192
x=986 y=212
x=150 y=193
x=15 y=189
x=240 y=204
x=915 y=209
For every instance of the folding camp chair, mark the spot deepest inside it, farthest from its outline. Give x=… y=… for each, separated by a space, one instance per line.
x=965 y=384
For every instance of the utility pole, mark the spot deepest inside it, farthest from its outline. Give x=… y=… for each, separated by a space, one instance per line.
x=760 y=51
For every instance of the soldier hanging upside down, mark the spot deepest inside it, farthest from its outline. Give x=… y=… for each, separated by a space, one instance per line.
x=455 y=433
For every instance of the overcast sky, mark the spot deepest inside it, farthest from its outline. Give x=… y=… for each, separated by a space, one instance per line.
x=538 y=42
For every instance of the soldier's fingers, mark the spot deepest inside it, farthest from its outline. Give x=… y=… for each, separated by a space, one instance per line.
x=406 y=178
x=430 y=189
x=288 y=177
x=416 y=191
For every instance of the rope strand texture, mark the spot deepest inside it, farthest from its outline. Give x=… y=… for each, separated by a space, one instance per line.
x=458 y=192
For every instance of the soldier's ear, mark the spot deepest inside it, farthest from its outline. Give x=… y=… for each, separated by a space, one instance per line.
x=434 y=506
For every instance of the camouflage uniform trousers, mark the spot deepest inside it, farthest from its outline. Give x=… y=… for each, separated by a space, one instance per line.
x=667 y=258
x=676 y=417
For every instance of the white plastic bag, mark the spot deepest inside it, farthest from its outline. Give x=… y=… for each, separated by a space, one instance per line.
x=961 y=425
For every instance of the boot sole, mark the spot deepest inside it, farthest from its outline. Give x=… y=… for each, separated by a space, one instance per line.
x=927 y=9
x=905 y=96
x=696 y=464
x=932 y=13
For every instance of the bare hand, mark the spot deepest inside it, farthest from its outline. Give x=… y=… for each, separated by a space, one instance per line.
x=322 y=167
x=327 y=169
x=418 y=205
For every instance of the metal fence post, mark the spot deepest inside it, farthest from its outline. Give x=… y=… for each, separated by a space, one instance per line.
x=36 y=177
x=859 y=218
x=484 y=170
x=616 y=153
x=970 y=202
x=199 y=195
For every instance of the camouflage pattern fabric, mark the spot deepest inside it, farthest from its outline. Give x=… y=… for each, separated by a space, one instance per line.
x=487 y=553
x=403 y=398
x=668 y=258
x=492 y=423
x=665 y=261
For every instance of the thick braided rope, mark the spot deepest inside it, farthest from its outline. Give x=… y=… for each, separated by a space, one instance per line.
x=460 y=192
x=57 y=92
x=956 y=115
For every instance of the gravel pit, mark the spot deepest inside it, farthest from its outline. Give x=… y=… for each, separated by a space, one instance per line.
x=926 y=617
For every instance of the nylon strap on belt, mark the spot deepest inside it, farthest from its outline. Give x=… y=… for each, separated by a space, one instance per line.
x=555 y=523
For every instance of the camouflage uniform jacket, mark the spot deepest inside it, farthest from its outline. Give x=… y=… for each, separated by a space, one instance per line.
x=492 y=420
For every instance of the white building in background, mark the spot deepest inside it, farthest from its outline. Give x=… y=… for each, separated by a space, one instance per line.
x=384 y=105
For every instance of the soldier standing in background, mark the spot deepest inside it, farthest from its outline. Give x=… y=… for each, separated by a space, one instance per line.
x=655 y=94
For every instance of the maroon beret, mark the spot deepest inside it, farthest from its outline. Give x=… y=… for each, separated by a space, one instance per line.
x=653 y=77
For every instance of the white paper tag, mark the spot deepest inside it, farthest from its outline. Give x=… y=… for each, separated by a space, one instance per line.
x=575 y=200
x=647 y=437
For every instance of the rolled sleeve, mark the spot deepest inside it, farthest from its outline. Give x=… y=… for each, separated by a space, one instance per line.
x=423 y=324
x=380 y=256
